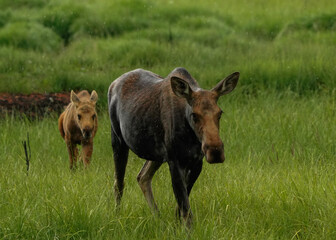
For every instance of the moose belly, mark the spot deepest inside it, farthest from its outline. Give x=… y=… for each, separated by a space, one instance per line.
x=146 y=142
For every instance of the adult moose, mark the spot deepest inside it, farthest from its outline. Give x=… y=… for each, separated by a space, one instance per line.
x=166 y=120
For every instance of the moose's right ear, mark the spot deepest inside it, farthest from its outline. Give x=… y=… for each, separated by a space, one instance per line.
x=94 y=96
x=227 y=85
x=181 y=88
x=74 y=98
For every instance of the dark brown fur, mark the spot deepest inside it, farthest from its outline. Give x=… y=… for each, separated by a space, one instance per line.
x=78 y=125
x=166 y=120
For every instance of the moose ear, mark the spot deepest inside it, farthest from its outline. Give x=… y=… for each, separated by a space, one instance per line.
x=94 y=96
x=74 y=98
x=227 y=85
x=180 y=87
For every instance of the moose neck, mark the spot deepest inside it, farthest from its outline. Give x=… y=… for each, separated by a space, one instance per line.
x=189 y=126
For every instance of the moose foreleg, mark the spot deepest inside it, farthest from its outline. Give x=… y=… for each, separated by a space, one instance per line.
x=87 y=149
x=73 y=154
x=180 y=192
x=193 y=174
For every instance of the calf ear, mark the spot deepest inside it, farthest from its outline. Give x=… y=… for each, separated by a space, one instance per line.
x=226 y=85
x=74 y=98
x=94 y=96
x=180 y=87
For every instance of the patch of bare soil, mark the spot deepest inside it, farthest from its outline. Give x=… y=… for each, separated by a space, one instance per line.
x=35 y=105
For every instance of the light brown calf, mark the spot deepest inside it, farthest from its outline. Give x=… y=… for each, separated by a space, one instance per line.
x=78 y=125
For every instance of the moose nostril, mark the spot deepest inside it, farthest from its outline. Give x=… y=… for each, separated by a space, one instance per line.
x=214 y=153
x=205 y=148
x=218 y=147
x=86 y=133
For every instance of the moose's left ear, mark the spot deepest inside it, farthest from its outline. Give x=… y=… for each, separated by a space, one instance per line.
x=94 y=96
x=74 y=98
x=181 y=88
x=226 y=85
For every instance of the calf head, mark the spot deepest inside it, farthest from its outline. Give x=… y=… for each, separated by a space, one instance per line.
x=204 y=114
x=85 y=113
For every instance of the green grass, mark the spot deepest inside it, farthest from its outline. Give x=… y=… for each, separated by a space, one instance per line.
x=278 y=125
x=62 y=45
x=278 y=181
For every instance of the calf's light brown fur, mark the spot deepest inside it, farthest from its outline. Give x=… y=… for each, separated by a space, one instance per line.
x=78 y=125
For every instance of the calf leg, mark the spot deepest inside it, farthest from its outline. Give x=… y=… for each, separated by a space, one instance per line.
x=180 y=192
x=87 y=149
x=144 y=178
x=120 y=156
x=73 y=153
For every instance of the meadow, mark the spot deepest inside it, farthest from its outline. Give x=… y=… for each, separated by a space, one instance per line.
x=278 y=126
x=278 y=181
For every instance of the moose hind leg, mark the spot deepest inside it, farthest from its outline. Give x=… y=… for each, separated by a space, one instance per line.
x=120 y=156
x=144 y=178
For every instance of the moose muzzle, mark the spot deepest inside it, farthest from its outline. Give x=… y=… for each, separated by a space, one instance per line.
x=214 y=153
x=87 y=133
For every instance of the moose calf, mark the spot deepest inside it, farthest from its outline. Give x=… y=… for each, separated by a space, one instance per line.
x=78 y=125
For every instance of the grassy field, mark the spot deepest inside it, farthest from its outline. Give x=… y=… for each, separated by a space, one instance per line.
x=278 y=181
x=278 y=125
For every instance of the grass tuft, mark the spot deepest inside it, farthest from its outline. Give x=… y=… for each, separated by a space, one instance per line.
x=60 y=17
x=29 y=35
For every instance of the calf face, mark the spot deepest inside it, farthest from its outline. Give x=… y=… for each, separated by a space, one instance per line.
x=85 y=113
x=204 y=115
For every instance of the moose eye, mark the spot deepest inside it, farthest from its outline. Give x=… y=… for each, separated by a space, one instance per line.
x=195 y=117
x=93 y=116
x=79 y=117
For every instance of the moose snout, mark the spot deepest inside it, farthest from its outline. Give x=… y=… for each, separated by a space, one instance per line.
x=214 y=153
x=87 y=132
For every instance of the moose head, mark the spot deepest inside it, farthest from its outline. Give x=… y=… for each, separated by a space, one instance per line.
x=204 y=113
x=85 y=113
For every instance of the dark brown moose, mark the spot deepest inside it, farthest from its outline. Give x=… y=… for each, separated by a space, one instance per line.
x=78 y=125
x=166 y=120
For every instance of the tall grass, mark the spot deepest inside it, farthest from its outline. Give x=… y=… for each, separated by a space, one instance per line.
x=278 y=181
x=278 y=125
